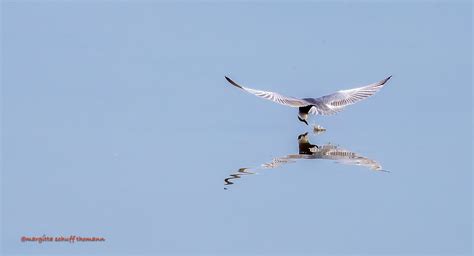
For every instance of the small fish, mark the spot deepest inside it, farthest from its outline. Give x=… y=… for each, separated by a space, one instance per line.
x=318 y=129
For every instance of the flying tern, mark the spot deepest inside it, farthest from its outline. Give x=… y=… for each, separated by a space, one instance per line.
x=325 y=105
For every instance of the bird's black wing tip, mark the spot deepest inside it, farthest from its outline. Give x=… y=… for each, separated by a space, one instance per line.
x=232 y=82
x=386 y=79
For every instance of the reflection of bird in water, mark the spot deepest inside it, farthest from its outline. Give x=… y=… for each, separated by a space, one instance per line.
x=325 y=105
x=309 y=151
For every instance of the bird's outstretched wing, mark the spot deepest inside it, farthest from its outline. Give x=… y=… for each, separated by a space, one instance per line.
x=273 y=96
x=333 y=103
x=324 y=152
x=343 y=156
x=329 y=152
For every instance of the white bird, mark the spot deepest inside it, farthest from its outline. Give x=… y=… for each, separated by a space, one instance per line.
x=325 y=105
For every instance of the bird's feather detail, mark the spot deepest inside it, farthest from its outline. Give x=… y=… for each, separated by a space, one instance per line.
x=333 y=103
x=325 y=105
x=273 y=96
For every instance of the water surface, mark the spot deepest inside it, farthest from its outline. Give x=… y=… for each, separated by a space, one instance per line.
x=117 y=122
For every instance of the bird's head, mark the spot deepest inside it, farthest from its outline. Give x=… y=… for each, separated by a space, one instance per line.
x=303 y=137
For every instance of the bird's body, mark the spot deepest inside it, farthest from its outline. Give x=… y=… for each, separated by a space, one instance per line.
x=325 y=105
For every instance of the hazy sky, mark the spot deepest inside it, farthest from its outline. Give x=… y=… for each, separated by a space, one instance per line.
x=117 y=122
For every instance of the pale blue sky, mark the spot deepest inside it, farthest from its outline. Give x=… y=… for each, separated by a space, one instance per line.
x=117 y=122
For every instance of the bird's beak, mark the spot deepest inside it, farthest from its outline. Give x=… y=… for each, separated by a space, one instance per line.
x=302 y=120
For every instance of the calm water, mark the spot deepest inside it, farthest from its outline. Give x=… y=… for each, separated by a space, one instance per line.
x=118 y=123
